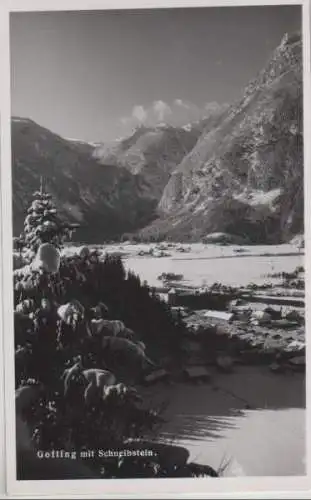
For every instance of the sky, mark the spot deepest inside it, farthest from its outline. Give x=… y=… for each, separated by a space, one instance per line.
x=94 y=75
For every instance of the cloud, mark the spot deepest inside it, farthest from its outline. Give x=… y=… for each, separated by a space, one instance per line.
x=211 y=106
x=125 y=120
x=157 y=112
x=161 y=110
x=214 y=107
x=181 y=103
x=139 y=113
x=177 y=113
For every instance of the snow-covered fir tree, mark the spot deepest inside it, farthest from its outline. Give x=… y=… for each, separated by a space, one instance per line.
x=43 y=223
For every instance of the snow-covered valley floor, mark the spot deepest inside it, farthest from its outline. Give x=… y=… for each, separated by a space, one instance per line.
x=203 y=265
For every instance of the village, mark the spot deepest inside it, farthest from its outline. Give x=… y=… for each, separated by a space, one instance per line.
x=242 y=326
x=228 y=326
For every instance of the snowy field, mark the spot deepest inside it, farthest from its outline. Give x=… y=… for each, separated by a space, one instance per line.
x=266 y=440
x=203 y=265
x=206 y=264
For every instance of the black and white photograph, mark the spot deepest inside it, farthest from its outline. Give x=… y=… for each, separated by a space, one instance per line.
x=158 y=243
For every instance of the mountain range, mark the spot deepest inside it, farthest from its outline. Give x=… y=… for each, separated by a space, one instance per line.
x=238 y=170
x=103 y=199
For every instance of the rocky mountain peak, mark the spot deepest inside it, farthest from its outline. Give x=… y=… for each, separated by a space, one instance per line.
x=253 y=149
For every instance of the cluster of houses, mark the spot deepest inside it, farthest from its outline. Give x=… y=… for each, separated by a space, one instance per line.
x=163 y=250
x=260 y=320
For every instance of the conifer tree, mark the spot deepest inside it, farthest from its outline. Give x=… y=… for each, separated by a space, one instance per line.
x=43 y=224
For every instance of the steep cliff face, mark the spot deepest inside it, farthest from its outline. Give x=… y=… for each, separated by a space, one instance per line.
x=103 y=199
x=245 y=175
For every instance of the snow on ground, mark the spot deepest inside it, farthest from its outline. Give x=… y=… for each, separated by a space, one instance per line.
x=207 y=264
x=20 y=120
x=259 y=197
x=187 y=127
x=204 y=264
x=267 y=440
x=79 y=141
